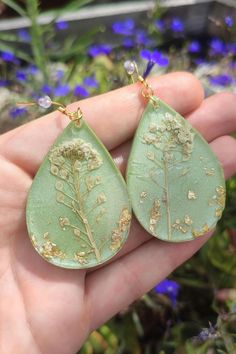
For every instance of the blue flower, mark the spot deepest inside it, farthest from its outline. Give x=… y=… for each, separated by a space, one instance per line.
x=60 y=74
x=81 y=91
x=194 y=47
x=229 y=21
x=221 y=80
x=24 y=35
x=17 y=112
x=153 y=58
x=62 y=25
x=177 y=25
x=207 y=333
x=128 y=42
x=125 y=27
x=141 y=37
x=21 y=75
x=4 y=82
x=200 y=61
x=62 y=90
x=47 y=89
x=169 y=288
x=99 y=49
x=91 y=81
x=32 y=69
x=217 y=46
x=160 y=25
x=8 y=57
x=231 y=48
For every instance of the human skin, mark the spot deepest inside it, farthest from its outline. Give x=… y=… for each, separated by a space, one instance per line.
x=46 y=309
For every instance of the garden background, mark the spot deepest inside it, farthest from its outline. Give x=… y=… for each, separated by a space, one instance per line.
x=77 y=50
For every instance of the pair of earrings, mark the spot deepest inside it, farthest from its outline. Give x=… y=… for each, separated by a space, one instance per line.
x=79 y=207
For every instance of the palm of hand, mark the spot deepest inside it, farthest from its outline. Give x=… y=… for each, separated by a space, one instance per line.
x=52 y=310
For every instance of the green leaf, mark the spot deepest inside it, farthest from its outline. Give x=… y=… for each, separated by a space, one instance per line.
x=15 y=6
x=37 y=42
x=78 y=211
x=175 y=181
x=8 y=37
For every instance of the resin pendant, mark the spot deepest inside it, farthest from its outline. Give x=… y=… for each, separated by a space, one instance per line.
x=175 y=181
x=78 y=211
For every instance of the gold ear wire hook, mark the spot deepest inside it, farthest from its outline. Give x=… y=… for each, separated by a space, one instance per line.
x=147 y=91
x=45 y=102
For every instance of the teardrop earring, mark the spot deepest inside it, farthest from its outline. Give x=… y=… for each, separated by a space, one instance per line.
x=175 y=182
x=72 y=219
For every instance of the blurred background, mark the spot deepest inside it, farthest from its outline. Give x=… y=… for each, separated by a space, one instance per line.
x=77 y=49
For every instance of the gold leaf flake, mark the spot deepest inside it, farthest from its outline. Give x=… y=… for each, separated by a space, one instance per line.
x=50 y=249
x=201 y=232
x=80 y=257
x=124 y=223
x=143 y=195
x=155 y=215
x=188 y=220
x=192 y=195
x=101 y=198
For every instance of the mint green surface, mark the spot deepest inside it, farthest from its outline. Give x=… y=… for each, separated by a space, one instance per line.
x=78 y=211
x=175 y=181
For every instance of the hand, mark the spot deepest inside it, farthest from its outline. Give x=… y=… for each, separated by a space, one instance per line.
x=45 y=309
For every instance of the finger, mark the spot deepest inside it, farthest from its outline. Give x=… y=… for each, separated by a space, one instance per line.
x=131 y=276
x=113 y=116
x=216 y=116
x=224 y=148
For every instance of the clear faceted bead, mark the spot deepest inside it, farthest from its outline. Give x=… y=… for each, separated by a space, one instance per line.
x=129 y=67
x=45 y=102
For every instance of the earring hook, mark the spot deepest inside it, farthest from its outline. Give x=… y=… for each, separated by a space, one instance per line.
x=46 y=102
x=132 y=70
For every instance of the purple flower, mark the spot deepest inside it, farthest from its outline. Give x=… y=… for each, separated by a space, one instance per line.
x=91 y=81
x=128 y=42
x=21 y=75
x=169 y=288
x=153 y=58
x=200 y=61
x=177 y=25
x=8 y=57
x=231 y=48
x=17 y=112
x=160 y=25
x=47 y=89
x=141 y=37
x=24 y=35
x=81 y=91
x=217 y=46
x=62 y=90
x=125 y=28
x=62 y=25
x=229 y=21
x=221 y=80
x=194 y=47
x=60 y=74
x=99 y=49
x=207 y=333
x=4 y=82
x=32 y=69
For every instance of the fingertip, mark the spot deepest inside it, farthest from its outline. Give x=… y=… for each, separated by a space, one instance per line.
x=189 y=90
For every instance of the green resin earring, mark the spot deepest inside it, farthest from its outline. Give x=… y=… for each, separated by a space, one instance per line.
x=175 y=182
x=78 y=211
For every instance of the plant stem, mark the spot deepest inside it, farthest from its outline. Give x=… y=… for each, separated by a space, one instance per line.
x=167 y=195
x=37 y=43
